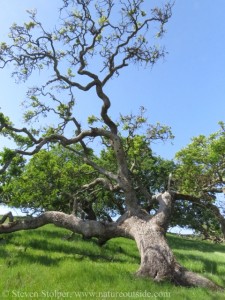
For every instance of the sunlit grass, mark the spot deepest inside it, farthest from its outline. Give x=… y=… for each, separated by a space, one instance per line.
x=42 y=263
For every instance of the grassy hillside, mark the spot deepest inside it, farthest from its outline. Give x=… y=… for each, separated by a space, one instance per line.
x=41 y=264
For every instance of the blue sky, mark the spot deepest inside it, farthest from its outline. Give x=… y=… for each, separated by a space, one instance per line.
x=186 y=90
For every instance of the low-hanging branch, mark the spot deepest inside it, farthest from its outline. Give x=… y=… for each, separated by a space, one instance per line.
x=90 y=45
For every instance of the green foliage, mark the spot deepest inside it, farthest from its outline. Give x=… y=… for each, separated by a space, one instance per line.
x=102 y=20
x=200 y=172
x=87 y=29
x=51 y=179
x=143 y=13
x=3 y=119
x=92 y=119
x=201 y=164
x=7 y=155
x=47 y=181
x=29 y=115
x=196 y=217
x=30 y=25
x=135 y=124
x=3 y=46
x=14 y=170
x=70 y=73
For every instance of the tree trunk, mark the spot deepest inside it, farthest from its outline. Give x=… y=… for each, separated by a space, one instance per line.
x=4 y=217
x=157 y=260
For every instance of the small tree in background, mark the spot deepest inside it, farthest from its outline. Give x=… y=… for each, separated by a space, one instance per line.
x=200 y=178
x=95 y=41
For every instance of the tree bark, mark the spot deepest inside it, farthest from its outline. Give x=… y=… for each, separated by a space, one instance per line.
x=5 y=216
x=87 y=228
x=157 y=260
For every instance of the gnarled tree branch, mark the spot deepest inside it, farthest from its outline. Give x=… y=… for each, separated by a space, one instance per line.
x=70 y=222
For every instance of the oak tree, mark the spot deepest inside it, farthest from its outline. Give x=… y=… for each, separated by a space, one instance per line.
x=91 y=44
x=200 y=175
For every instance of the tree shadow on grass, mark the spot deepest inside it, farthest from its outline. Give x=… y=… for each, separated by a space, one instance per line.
x=191 y=244
x=78 y=249
x=208 y=264
x=20 y=257
x=59 y=234
x=52 y=240
x=45 y=232
x=3 y=252
x=91 y=251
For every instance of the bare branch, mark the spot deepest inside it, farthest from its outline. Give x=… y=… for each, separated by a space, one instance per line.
x=70 y=222
x=161 y=218
x=5 y=216
x=103 y=181
x=95 y=166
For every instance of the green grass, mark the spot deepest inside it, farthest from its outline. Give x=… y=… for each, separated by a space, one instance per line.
x=41 y=264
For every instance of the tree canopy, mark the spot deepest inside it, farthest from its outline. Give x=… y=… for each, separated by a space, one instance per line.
x=200 y=173
x=91 y=44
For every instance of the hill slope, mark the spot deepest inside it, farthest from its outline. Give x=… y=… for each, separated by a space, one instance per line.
x=42 y=264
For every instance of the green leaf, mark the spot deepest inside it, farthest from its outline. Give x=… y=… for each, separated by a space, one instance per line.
x=92 y=119
x=30 y=25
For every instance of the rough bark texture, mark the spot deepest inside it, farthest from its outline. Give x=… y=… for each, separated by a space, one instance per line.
x=70 y=222
x=116 y=49
x=187 y=278
x=4 y=217
x=157 y=259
